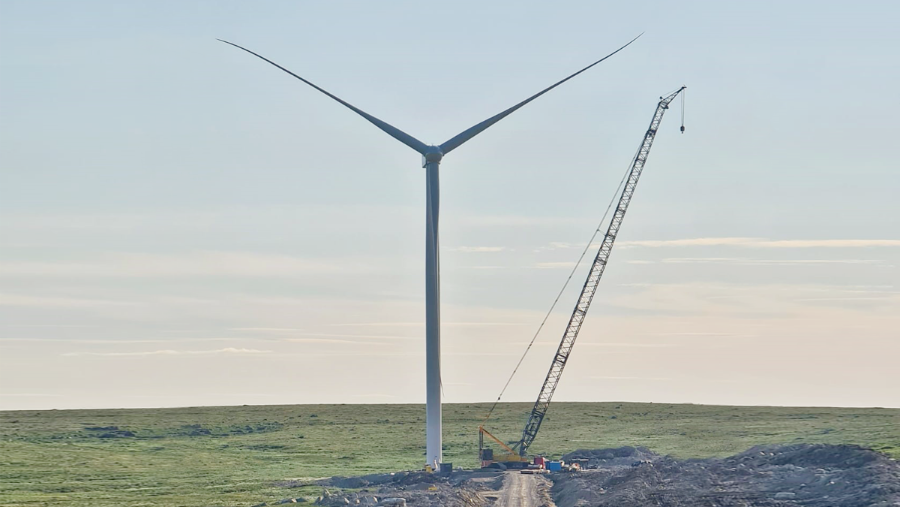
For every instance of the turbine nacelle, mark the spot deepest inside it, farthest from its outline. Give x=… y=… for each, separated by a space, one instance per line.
x=432 y=155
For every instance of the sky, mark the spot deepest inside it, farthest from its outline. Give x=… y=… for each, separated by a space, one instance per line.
x=182 y=224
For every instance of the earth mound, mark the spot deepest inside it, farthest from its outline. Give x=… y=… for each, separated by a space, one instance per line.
x=612 y=457
x=814 y=475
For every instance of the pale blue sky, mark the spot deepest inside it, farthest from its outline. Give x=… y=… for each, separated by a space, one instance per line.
x=182 y=224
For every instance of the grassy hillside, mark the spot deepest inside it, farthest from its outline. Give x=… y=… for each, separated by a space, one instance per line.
x=233 y=455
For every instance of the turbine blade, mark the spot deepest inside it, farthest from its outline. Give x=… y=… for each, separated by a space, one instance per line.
x=389 y=129
x=465 y=135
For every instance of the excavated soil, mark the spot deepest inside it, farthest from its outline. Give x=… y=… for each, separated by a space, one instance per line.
x=459 y=489
x=810 y=475
x=792 y=475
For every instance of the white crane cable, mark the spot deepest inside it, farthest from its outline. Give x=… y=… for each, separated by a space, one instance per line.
x=566 y=284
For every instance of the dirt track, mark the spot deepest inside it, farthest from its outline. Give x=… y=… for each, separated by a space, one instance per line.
x=523 y=491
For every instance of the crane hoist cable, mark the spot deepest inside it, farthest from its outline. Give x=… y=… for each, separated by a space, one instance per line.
x=561 y=291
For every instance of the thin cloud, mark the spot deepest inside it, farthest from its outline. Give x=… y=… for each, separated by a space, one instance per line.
x=478 y=249
x=269 y=329
x=335 y=341
x=517 y=221
x=765 y=262
x=32 y=395
x=51 y=325
x=692 y=242
x=384 y=324
x=630 y=345
x=702 y=333
x=562 y=245
x=192 y=264
x=554 y=265
x=480 y=354
x=58 y=302
x=558 y=245
x=80 y=340
x=169 y=352
x=765 y=243
x=832 y=243
x=293 y=333
x=847 y=299
x=129 y=341
x=352 y=353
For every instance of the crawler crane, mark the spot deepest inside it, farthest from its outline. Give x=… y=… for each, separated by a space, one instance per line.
x=516 y=455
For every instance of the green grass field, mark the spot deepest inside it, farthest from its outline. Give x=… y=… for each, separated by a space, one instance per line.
x=233 y=455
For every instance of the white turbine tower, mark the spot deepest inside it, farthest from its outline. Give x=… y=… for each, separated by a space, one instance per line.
x=431 y=159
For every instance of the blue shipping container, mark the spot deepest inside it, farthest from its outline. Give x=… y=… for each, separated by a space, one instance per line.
x=554 y=466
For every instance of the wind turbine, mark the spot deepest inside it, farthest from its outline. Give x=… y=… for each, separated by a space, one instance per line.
x=431 y=159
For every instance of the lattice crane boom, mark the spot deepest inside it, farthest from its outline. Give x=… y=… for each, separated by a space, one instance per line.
x=593 y=279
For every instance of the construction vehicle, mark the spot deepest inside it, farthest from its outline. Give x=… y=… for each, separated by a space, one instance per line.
x=516 y=455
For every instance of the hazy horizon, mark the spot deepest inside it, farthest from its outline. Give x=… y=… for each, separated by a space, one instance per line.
x=422 y=404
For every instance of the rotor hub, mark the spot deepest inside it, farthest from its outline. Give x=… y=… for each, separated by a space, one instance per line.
x=432 y=155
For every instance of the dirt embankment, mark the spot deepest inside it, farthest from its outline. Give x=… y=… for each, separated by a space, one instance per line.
x=793 y=475
x=460 y=489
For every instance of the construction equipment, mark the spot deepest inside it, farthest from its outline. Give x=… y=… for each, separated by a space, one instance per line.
x=515 y=456
x=509 y=458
